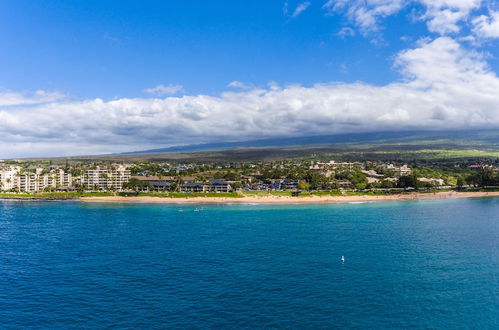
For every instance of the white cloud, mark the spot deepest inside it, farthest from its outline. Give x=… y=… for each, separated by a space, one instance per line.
x=366 y=14
x=441 y=63
x=444 y=16
x=162 y=90
x=487 y=26
x=239 y=85
x=441 y=16
x=445 y=87
x=346 y=32
x=300 y=8
x=10 y=98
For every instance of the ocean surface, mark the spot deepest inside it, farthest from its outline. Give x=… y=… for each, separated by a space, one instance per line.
x=411 y=264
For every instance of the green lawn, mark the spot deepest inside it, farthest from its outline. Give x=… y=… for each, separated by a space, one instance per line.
x=266 y=193
x=212 y=194
x=55 y=195
x=73 y=195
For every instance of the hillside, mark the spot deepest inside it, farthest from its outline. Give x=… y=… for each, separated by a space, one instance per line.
x=370 y=146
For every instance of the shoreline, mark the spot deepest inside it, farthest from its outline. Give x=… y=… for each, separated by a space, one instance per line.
x=287 y=199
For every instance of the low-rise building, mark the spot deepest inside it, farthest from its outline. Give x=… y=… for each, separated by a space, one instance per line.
x=219 y=185
x=433 y=181
x=329 y=168
x=372 y=173
x=156 y=182
x=289 y=184
x=194 y=187
x=399 y=171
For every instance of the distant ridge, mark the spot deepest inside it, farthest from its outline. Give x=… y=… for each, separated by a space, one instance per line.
x=490 y=138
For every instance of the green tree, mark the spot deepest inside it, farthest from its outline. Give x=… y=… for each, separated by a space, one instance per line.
x=303 y=185
x=386 y=184
x=408 y=181
x=460 y=182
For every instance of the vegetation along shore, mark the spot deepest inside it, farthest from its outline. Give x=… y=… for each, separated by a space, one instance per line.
x=267 y=198
x=315 y=179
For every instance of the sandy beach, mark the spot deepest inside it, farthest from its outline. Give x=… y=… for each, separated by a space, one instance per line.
x=288 y=199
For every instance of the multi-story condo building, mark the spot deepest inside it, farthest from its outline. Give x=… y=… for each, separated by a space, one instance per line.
x=8 y=177
x=34 y=179
x=40 y=180
x=104 y=177
x=28 y=182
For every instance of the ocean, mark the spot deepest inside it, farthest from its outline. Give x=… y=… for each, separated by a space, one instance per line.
x=408 y=264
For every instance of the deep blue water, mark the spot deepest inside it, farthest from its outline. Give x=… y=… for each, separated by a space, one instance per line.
x=424 y=264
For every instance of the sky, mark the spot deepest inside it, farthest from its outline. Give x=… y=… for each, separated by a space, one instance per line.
x=92 y=77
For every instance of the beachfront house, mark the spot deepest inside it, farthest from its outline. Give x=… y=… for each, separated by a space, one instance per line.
x=156 y=182
x=194 y=187
x=219 y=185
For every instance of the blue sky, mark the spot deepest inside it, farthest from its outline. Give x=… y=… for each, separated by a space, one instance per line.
x=168 y=72
x=119 y=48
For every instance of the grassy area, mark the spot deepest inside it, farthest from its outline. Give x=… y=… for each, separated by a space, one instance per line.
x=12 y=195
x=457 y=153
x=213 y=194
x=55 y=195
x=186 y=195
x=326 y=193
x=74 y=195
x=71 y=195
x=266 y=193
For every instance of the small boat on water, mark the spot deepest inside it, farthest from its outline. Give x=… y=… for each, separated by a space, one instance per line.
x=343 y=259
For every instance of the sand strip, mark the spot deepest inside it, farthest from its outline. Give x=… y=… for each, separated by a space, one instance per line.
x=288 y=199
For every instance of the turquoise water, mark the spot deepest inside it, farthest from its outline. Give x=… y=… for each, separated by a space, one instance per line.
x=423 y=264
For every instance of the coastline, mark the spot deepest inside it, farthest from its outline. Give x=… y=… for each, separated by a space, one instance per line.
x=288 y=199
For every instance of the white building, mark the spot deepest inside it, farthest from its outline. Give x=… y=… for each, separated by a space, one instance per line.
x=41 y=179
x=34 y=179
x=400 y=171
x=433 y=181
x=329 y=168
x=106 y=177
x=8 y=177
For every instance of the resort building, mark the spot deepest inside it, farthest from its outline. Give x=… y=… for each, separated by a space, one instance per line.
x=39 y=179
x=194 y=187
x=218 y=185
x=105 y=177
x=399 y=171
x=8 y=177
x=156 y=182
x=328 y=169
x=433 y=181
